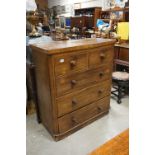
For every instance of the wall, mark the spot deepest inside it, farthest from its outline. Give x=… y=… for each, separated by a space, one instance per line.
x=84 y=3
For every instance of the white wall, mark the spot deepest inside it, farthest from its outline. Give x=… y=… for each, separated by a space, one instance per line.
x=84 y=3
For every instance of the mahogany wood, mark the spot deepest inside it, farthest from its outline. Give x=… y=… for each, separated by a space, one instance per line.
x=73 y=88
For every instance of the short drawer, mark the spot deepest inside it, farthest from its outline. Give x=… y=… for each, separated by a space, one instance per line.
x=73 y=101
x=81 y=80
x=100 y=56
x=68 y=63
x=84 y=114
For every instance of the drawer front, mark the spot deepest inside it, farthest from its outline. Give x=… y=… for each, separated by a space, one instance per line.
x=71 y=83
x=76 y=118
x=76 y=100
x=68 y=63
x=100 y=56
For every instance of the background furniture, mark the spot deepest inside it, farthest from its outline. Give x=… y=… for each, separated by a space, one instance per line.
x=120 y=14
x=73 y=83
x=121 y=64
x=120 y=84
x=30 y=74
x=121 y=56
x=86 y=17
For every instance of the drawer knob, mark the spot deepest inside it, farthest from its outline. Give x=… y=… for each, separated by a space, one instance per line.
x=74 y=102
x=102 y=55
x=100 y=108
x=73 y=82
x=101 y=74
x=73 y=63
x=100 y=91
x=74 y=120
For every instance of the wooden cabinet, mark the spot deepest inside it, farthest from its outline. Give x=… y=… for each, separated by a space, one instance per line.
x=73 y=83
x=86 y=17
x=120 y=14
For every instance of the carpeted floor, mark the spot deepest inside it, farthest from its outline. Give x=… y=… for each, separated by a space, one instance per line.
x=118 y=145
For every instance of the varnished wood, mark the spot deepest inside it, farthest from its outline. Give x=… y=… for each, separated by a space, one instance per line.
x=71 y=87
x=119 y=145
x=67 y=84
x=84 y=20
x=74 y=101
x=100 y=56
x=71 y=45
x=76 y=118
x=121 y=55
x=43 y=89
x=69 y=63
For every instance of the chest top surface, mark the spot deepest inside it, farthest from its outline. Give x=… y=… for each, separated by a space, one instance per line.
x=70 y=45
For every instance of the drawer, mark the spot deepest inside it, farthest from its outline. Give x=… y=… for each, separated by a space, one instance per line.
x=99 y=56
x=68 y=63
x=73 y=101
x=84 y=114
x=78 y=81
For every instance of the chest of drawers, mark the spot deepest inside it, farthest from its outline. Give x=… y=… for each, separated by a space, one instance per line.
x=73 y=81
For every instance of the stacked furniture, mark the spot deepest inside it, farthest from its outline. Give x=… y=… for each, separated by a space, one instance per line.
x=86 y=17
x=73 y=82
x=122 y=14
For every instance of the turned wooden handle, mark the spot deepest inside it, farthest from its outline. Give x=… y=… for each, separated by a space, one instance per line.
x=73 y=82
x=73 y=63
x=102 y=55
x=101 y=74
x=74 y=102
x=100 y=108
x=100 y=91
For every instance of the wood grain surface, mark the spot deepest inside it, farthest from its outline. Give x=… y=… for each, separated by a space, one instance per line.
x=70 y=45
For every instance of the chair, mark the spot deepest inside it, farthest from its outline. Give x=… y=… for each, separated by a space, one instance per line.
x=120 y=81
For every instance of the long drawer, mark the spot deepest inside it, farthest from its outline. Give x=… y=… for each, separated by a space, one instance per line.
x=73 y=101
x=74 y=119
x=71 y=83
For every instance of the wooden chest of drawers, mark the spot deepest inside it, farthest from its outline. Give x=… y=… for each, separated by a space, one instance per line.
x=73 y=83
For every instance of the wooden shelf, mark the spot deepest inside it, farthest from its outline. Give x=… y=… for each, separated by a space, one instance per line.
x=119 y=9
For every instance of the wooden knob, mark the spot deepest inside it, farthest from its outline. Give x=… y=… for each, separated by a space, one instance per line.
x=101 y=74
x=73 y=63
x=102 y=55
x=74 y=102
x=100 y=91
x=100 y=108
x=73 y=82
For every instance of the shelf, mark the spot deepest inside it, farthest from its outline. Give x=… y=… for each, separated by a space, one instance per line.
x=119 y=20
x=119 y=9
